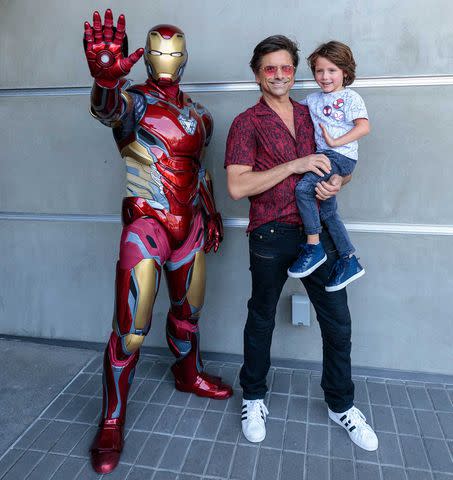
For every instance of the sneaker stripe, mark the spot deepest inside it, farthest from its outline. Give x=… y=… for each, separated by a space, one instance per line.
x=359 y=431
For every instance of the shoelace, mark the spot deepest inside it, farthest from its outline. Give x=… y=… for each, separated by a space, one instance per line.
x=355 y=418
x=306 y=247
x=256 y=410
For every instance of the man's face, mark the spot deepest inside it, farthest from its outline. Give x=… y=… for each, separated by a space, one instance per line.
x=276 y=74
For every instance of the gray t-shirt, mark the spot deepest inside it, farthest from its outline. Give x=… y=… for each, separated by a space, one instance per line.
x=337 y=112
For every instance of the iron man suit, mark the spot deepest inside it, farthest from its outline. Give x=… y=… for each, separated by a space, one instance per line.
x=169 y=215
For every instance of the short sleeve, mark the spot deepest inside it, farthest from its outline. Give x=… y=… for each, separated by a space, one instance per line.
x=304 y=102
x=241 y=142
x=356 y=107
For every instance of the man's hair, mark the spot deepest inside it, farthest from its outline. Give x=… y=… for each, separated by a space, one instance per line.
x=337 y=53
x=272 y=44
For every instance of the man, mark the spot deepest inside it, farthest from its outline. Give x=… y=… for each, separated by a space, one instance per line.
x=269 y=147
x=161 y=134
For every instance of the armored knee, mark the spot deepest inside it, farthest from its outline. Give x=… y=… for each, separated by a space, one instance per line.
x=182 y=336
x=132 y=342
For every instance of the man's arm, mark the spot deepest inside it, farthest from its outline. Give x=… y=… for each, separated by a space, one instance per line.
x=242 y=181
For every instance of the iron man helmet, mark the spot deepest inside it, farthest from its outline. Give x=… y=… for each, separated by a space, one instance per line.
x=165 y=54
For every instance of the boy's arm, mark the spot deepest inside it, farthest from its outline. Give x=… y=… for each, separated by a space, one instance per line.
x=360 y=129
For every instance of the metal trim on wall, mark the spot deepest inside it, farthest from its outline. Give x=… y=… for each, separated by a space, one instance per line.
x=238 y=222
x=303 y=84
x=60 y=217
x=372 y=227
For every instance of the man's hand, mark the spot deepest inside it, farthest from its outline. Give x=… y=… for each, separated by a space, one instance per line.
x=214 y=232
x=329 y=140
x=103 y=50
x=325 y=190
x=316 y=163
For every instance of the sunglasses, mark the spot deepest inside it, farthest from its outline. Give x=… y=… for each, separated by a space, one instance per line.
x=271 y=70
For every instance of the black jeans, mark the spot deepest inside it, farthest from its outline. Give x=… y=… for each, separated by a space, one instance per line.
x=273 y=248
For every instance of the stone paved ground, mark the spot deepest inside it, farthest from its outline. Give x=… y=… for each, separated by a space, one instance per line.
x=174 y=436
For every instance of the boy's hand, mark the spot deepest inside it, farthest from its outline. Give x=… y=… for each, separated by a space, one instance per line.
x=329 y=140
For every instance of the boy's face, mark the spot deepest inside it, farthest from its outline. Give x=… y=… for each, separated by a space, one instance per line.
x=328 y=76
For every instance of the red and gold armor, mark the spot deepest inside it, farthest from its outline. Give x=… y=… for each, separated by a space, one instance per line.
x=169 y=215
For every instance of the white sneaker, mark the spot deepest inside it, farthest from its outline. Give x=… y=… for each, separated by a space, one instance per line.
x=253 y=420
x=354 y=421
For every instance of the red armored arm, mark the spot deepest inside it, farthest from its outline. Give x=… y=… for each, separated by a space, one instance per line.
x=108 y=63
x=214 y=225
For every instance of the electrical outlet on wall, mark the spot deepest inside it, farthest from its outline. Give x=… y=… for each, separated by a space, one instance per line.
x=300 y=312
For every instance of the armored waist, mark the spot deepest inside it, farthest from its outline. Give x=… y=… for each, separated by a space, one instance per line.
x=178 y=226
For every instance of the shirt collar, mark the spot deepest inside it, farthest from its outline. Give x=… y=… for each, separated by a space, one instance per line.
x=262 y=108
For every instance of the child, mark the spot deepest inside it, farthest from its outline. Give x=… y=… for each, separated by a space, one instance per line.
x=340 y=118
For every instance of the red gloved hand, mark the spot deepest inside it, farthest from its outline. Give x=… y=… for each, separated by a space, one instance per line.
x=214 y=232
x=103 y=51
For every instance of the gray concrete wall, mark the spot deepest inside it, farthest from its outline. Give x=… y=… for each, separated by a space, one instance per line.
x=57 y=275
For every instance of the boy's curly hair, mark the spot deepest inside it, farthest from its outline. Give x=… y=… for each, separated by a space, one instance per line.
x=337 y=53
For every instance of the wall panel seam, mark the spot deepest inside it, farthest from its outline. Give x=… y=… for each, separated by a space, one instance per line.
x=244 y=86
x=240 y=222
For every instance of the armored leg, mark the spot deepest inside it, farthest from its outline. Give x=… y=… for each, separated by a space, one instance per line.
x=186 y=285
x=117 y=378
x=137 y=283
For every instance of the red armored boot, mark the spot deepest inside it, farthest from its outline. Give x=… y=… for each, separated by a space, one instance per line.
x=183 y=340
x=117 y=379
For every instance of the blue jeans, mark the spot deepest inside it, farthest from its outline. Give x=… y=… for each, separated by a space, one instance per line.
x=273 y=248
x=327 y=212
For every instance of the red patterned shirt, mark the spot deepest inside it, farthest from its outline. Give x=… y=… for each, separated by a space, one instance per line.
x=259 y=138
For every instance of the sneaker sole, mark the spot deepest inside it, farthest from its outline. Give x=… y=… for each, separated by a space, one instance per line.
x=341 y=425
x=346 y=282
x=257 y=440
x=307 y=272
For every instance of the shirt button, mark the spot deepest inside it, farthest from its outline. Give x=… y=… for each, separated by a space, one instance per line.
x=272 y=230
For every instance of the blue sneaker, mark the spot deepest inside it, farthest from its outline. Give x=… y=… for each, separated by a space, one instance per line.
x=311 y=257
x=345 y=271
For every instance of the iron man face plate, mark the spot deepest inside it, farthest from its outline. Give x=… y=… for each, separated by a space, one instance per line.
x=165 y=54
